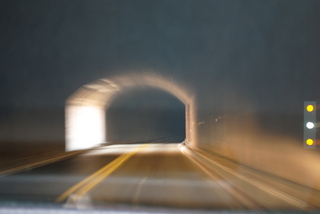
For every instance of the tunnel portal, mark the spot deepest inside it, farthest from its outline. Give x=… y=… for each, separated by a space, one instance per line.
x=87 y=109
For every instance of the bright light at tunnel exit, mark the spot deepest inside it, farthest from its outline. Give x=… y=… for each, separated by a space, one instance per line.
x=85 y=127
x=310 y=108
x=310 y=125
x=309 y=142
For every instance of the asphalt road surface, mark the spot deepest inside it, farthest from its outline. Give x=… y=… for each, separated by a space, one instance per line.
x=154 y=175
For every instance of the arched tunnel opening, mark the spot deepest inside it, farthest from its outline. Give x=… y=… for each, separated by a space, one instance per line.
x=145 y=114
x=139 y=107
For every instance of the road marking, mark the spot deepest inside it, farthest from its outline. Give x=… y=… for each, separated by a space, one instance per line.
x=137 y=193
x=93 y=180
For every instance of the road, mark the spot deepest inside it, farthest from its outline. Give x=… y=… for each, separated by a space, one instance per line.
x=152 y=175
x=155 y=175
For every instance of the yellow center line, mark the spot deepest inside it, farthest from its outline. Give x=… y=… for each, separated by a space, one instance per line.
x=102 y=176
x=83 y=182
x=93 y=180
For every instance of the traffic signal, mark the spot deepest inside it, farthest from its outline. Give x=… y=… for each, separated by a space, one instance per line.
x=309 y=133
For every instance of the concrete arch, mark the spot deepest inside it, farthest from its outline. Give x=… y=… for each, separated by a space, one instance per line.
x=86 y=108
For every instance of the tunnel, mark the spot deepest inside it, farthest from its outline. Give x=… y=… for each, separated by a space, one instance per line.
x=87 y=110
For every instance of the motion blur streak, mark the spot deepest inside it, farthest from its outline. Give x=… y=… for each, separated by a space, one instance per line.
x=85 y=109
x=281 y=195
x=239 y=196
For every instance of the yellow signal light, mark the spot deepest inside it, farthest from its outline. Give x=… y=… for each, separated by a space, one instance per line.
x=309 y=142
x=310 y=108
